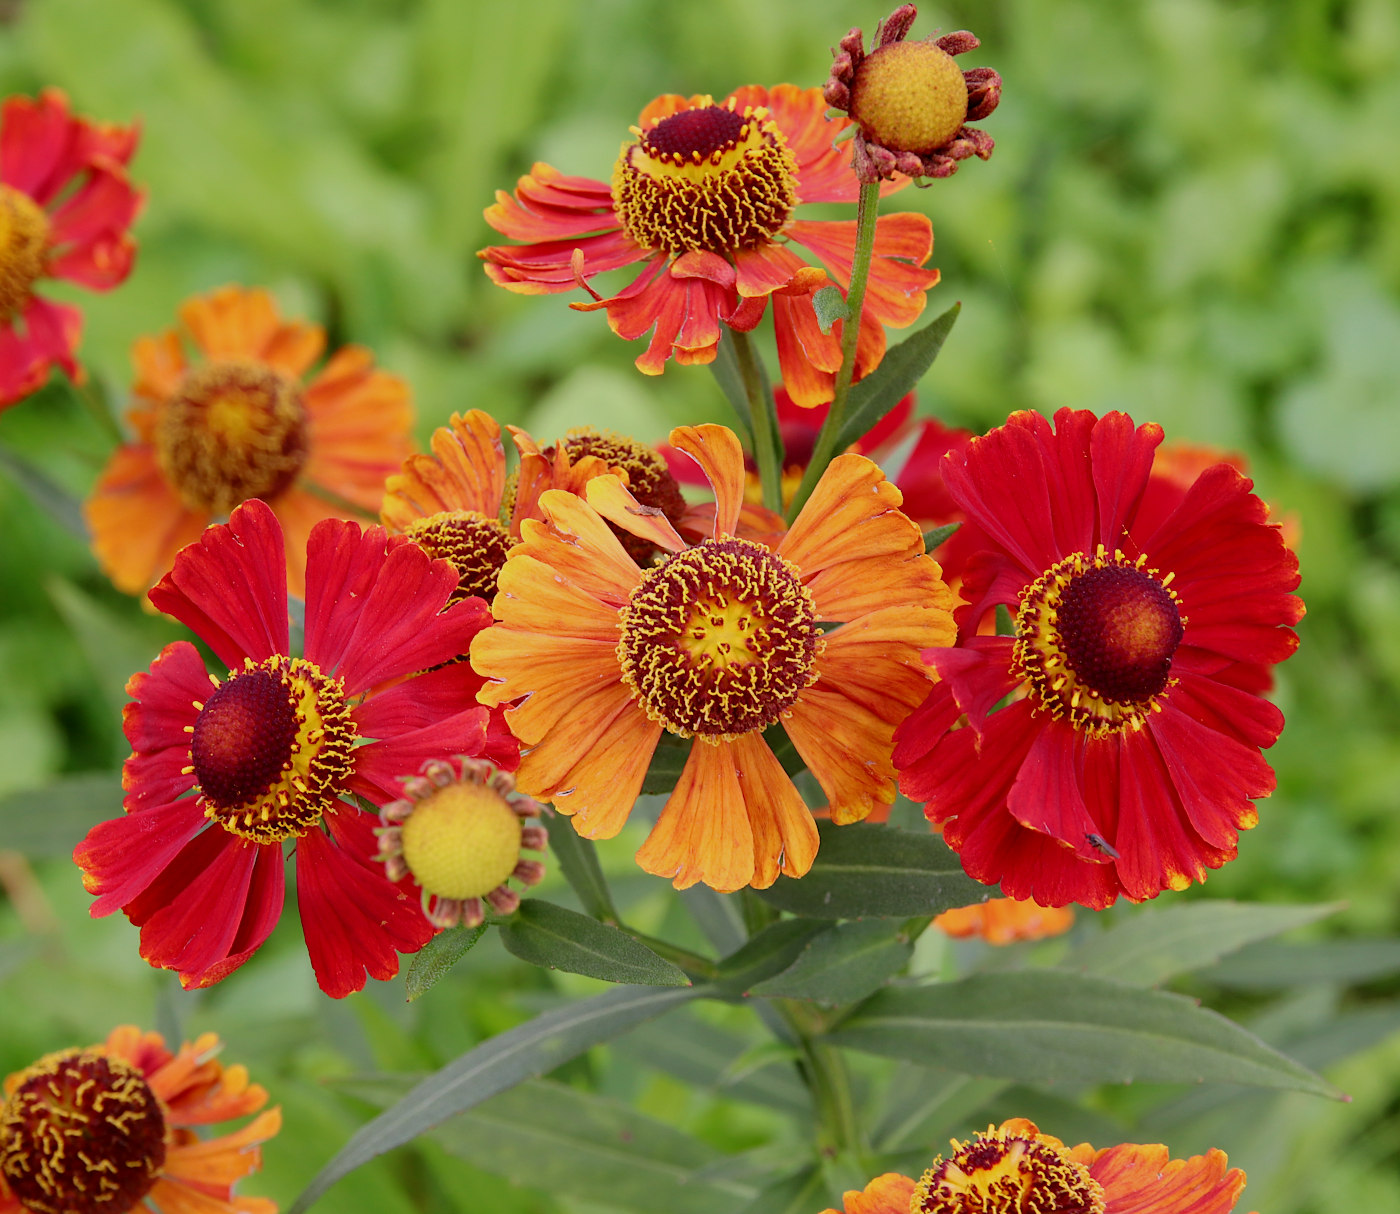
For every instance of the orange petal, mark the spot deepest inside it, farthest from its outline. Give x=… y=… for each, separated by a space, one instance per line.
x=784 y=834
x=466 y=471
x=236 y=322
x=610 y=498
x=580 y=547
x=874 y=660
x=221 y=1161
x=160 y=365
x=847 y=748
x=721 y=457
x=553 y=673
x=887 y=1194
x=703 y=833
x=1143 y=1180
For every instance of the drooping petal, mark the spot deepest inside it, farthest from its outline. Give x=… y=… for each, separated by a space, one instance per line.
x=716 y=449
x=784 y=833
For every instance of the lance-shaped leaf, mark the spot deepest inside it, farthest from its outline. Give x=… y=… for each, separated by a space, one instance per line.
x=867 y=871
x=1050 y=1026
x=436 y=958
x=901 y=368
x=844 y=964
x=559 y=939
x=1274 y=965
x=524 y=1052
x=769 y=952
x=578 y=861
x=1158 y=943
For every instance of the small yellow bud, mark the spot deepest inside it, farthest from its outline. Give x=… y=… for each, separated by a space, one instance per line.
x=462 y=841
x=909 y=97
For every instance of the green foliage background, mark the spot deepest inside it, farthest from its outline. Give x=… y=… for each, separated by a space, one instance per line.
x=1193 y=214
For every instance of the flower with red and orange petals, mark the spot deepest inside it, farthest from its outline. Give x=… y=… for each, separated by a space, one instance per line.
x=1014 y=1167
x=1005 y=921
x=225 y=772
x=1108 y=747
x=65 y=209
x=241 y=417
x=705 y=197
x=715 y=644
x=109 y=1129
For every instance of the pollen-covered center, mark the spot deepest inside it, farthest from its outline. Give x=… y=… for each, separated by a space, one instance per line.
x=909 y=96
x=1096 y=638
x=234 y=430
x=1007 y=1173
x=649 y=479
x=81 y=1134
x=24 y=240
x=271 y=749
x=474 y=545
x=719 y=640
x=461 y=841
x=714 y=178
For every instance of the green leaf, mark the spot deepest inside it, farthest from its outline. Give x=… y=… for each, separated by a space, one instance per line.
x=830 y=307
x=524 y=1052
x=844 y=964
x=801 y=1193
x=52 y=820
x=867 y=871
x=939 y=536
x=562 y=1140
x=115 y=644
x=770 y=952
x=438 y=956
x=560 y=939
x=1051 y=1026
x=54 y=501
x=1158 y=943
x=901 y=368
x=667 y=762
x=1275 y=965
x=923 y=1106
x=578 y=861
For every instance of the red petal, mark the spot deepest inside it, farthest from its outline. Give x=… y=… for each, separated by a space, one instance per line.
x=1047 y=795
x=121 y=857
x=230 y=588
x=1122 y=460
x=381 y=767
x=979 y=673
x=103 y=206
x=422 y=700
x=34 y=141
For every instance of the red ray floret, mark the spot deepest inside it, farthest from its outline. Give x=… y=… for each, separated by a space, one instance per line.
x=193 y=872
x=1073 y=789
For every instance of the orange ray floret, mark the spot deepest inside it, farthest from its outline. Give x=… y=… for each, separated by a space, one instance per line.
x=717 y=642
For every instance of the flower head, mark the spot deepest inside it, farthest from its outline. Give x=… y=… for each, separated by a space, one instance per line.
x=227 y=771
x=706 y=197
x=229 y=411
x=65 y=209
x=459 y=837
x=1112 y=744
x=1005 y=921
x=107 y=1129
x=715 y=644
x=1014 y=1167
x=911 y=101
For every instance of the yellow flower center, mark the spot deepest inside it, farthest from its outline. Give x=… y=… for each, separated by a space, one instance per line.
x=1002 y=1172
x=709 y=178
x=24 y=240
x=909 y=97
x=271 y=749
x=720 y=640
x=649 y=479
x=234 y=430
x=82 y=1133
x=1096 y=638
x=461 y=841
x=475 y=546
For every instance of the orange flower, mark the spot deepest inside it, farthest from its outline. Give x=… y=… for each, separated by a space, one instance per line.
x=1014 y=1167
x=706 y=197
x=719 y=642
x=1005 y=921
x=106 y=1130
x=239 y=421
x=65 y=207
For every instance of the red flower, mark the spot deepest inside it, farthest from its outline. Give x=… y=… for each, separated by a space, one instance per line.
x=705 y=199
x=1125 y=755
x=220 y=778
x=65 y=207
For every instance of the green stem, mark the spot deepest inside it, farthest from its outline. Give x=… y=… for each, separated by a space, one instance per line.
x=824 y=1071
x=98 y=408
x=762 y=420
x=867 y=211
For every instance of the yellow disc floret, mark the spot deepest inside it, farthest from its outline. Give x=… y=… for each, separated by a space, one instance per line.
x=909 y=97
x=462 y=841
x=24 y=238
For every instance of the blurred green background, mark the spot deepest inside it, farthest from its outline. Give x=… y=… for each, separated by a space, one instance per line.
x=1193 y=214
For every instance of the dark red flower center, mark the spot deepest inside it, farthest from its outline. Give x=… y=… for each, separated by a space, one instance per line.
x=234 y=430
x=82 y=1133
x=711 y=178
x=24 y=242
x=720 y=640
x=271 y=749
x=1096 y=637
x=474 y=545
